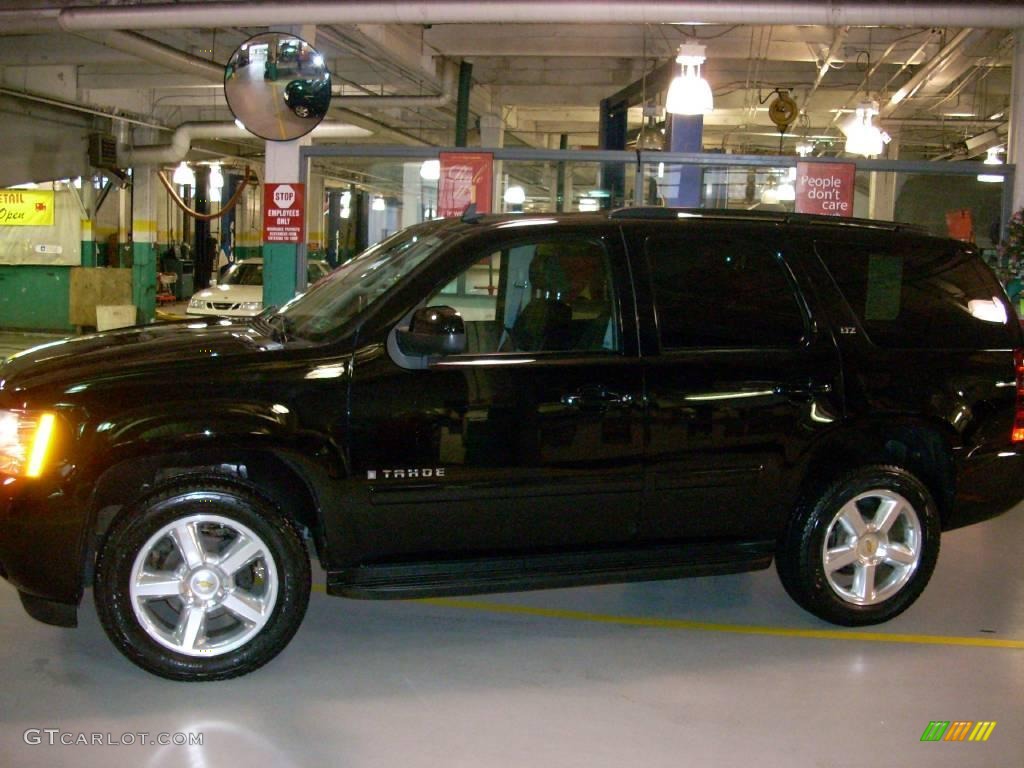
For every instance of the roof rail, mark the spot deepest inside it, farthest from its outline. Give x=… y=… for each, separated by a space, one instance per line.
x=737 y=214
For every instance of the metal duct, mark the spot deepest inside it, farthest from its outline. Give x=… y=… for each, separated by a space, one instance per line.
x=186 y=133
x=158 y=53
x=831 y=14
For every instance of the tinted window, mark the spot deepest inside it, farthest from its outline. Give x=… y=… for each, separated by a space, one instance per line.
x=722 y=292
x=920 y=295
x=540 y=296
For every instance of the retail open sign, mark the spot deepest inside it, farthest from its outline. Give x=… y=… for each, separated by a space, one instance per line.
x=283 y=213
x=26 y=208
x=825 y=188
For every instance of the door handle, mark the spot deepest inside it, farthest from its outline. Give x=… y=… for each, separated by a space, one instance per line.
x=595 y=398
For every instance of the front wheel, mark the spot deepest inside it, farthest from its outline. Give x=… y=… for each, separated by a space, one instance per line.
x=203 y=580
x=862 y=551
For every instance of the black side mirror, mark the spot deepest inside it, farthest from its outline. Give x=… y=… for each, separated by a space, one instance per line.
x=433 y=331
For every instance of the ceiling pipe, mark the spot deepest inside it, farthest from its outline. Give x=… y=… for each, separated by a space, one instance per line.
x=158 y=53
x=922 y=75
x=442 y=99
x=186 y=133
x=833 y=52
x=831 y=14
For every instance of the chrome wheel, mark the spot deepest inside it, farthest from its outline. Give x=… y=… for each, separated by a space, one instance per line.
x=203 y=585
x=872 y=547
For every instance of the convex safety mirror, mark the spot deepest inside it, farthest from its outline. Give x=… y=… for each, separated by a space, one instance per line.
x=277 y=86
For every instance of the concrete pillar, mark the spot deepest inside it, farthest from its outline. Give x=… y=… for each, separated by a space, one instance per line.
x=315 y=197
x=882 y=188
x=492 y=135
x=88 y=248
x=412 y=193
x=1015 y=143
x=144 y=228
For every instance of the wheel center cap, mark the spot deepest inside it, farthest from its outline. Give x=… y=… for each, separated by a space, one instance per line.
x=868 y=546
x=204 y=583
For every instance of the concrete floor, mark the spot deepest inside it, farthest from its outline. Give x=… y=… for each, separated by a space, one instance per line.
x=446 y=683
x=722 y=671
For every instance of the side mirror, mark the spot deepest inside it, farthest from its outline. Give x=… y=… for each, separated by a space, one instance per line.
x=433 y=331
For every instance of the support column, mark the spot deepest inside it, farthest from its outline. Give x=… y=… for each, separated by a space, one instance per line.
x=492 y=136
x=412 y=193
x=882 y=188
x=88 y=247
x=612 y=135
x=280 y=260
x=1015 y=143
x=462 y=105
x=687 y=136
x=314 y=217
x=144 y=226
x=204 y=259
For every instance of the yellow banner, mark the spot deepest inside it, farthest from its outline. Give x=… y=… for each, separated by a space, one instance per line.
x=26 y=208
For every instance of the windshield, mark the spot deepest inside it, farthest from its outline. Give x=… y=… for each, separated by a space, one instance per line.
x=350 y=289
x=243 y=274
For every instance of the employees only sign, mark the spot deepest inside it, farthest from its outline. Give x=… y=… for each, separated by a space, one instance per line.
x=825 y=188
x=283 y=213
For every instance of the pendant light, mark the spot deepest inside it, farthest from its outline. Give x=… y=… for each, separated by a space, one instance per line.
x=689 y=93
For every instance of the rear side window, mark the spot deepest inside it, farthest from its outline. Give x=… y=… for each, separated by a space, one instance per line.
x=722 y=292
x=921 y=295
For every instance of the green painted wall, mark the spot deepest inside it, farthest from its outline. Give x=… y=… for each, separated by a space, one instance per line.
x=35 y=298
x=88 y=253
x=247 y=252
x=144 y=281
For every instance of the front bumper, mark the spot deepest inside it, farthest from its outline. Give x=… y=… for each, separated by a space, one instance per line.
x=42 y=541
x=989 y=482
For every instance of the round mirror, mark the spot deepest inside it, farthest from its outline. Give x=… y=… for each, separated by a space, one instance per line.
x=277 y=86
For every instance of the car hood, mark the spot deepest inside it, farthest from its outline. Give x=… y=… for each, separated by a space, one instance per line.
x=231 y=293
x=131 y=350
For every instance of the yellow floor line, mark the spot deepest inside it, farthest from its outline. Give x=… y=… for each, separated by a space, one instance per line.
x=705 y=626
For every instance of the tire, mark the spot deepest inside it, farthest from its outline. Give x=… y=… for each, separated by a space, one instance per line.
x=202 y=580
x=862 y=551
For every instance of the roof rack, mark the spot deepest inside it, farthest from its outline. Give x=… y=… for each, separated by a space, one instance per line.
x=779 y=217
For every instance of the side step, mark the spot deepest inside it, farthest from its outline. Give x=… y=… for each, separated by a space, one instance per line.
x=436 y=578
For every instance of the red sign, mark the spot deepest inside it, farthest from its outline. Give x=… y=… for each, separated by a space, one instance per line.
x=825 y=188
x=466 y=178
x=283 y=213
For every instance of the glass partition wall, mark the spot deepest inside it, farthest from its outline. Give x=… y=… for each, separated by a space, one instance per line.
x=368 y=193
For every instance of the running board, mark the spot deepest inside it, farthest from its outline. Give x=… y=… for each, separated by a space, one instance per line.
x=436 y=578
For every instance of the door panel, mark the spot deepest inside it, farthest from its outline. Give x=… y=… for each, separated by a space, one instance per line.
x=739 y=377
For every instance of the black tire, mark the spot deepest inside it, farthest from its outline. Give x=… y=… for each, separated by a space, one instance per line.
x=219 y=512
x=800 y=557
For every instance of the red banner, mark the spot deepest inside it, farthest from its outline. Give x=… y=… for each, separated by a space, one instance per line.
x=466 y=178
x=283 y=213
x=825 y=188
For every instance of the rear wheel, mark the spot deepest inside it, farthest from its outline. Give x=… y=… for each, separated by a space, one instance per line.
x=203 y=580
x=862 y=551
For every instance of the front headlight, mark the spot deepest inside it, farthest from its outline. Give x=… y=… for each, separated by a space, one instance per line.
x=251 y=306
x=26 y=440
x=196 y=302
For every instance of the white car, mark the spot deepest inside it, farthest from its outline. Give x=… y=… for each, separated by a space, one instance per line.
x=240 y=292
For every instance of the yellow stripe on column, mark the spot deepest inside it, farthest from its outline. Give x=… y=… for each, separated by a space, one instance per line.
x=144 y=230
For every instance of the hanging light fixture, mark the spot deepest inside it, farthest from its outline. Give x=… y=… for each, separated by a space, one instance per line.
x=863 y=137
x=650 y=137
x=216 y=180
x=804 y=148
x=184 y=176
x=992 y=158
x=430 y=170
x=515 y=195
x=689 y=93
x=378 y=204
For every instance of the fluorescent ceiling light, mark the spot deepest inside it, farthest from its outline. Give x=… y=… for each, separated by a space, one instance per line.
x=689 y=93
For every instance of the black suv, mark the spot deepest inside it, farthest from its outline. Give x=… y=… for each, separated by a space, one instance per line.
x=512 y=402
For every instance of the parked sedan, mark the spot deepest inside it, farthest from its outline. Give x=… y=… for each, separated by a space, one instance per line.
x=240 y=291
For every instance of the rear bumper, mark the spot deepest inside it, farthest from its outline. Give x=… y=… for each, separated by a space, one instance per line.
x=989 y=483
x=42 y=536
